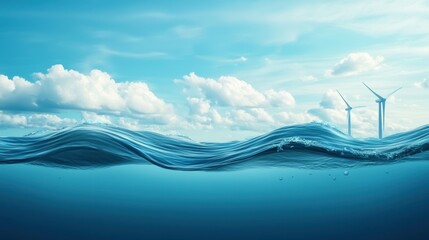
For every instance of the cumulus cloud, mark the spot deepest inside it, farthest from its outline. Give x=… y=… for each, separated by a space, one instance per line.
x=60 y=88
x=91 y=117
x=423 y=84
x=202 y=114
x=331 y=100
x=257 y=115
x=198 y=105
x=232 y=92
x=233 y=103
x=355 y=63
x=49 y=121
x=12 y=120
x=227 y=91
x=279 y=98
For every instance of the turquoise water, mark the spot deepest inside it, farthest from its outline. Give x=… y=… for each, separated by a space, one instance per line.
x=337 y=198
x=147 y=202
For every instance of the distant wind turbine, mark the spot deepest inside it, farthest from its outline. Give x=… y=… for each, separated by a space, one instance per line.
x=381 y=109
x=349 y=110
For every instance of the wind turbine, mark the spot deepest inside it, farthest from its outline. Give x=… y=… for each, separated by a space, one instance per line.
x=381 y=109
x=349 y=110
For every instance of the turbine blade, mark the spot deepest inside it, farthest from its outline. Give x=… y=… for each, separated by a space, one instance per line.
x=343 y=99
x=359 y=107
x=384 y=113
x=379 y=97
x=390 y=94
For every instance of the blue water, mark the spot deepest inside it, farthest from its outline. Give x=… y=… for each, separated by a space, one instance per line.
x=300 y=182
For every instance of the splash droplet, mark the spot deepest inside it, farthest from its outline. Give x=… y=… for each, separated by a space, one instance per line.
x=346 y=173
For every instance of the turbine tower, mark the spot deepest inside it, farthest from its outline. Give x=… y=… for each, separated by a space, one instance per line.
x=381 y=109
x=349 y=110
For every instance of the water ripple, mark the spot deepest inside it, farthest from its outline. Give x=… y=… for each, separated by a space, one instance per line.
x=312 y=145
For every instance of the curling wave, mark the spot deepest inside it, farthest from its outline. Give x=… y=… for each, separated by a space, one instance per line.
x=312 y=145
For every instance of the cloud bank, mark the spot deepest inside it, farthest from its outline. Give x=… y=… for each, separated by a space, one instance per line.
x=49 y=121
x=223 y=103
x=60 y=89
x=235 y=104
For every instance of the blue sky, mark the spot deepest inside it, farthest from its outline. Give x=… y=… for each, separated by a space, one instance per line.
x=213 y=70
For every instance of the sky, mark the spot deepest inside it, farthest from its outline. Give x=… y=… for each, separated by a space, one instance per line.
x=212 y=70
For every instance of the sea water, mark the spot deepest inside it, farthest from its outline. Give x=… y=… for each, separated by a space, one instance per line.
x=45 y=195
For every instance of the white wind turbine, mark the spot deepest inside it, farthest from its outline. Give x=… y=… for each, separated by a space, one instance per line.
x=381 y=109
x=349 y=112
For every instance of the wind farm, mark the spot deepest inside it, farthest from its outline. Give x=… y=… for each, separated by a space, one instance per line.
x=381 y=101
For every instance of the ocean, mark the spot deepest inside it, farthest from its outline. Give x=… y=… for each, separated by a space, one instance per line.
x=307 y=181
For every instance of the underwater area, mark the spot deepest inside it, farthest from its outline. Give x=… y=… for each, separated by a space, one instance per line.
x=306 y=181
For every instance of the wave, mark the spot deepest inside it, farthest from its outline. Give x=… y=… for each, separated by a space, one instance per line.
x=311 y=145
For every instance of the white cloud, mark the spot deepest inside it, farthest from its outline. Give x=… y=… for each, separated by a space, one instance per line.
x=48 y=121
x=60 y=88
x=355 y=63
x=280 y=98
x=227 y=91
x=233 y=92
x=423 y=84
x=131 y=124
x=12 y=120
x=17 y=93
x=198 y=105
x=202 y=114
x=332 y=100
x=91 y=117
x=254 y=115
x=232 y=103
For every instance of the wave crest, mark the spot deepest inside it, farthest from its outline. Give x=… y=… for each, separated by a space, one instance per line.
x=311 y=145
